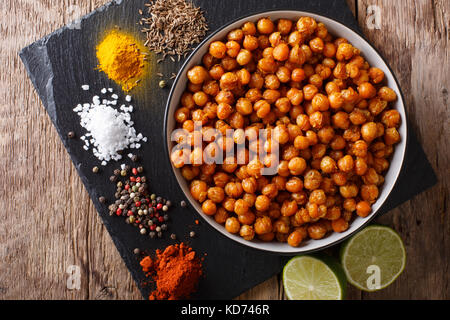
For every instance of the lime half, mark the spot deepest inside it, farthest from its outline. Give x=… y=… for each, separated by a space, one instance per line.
x=373 y=258
x=313 y=278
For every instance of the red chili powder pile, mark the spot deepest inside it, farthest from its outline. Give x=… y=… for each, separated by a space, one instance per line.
x=176 y=272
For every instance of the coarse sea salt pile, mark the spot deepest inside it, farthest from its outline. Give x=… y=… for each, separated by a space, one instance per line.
x=109 y=130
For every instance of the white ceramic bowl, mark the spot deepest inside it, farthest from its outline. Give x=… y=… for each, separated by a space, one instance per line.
x=374 y=59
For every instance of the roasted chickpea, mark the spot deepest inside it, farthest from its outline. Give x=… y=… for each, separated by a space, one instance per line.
x=295 y=238
x=209 y=207
x=197 y=75
x=316 y=231
x=218 y=49
x=247 y=232
x=233 y=189
x=244 y=57
x=376 y=75
x=339 y=225
x=391 y=118
x=263 y=225
x=312 y=180
x=281 y=52
x=349 y=190
x=363 y=209
x=262 y=203
x=265 y=26
x=284 y=26
x=367 y=90
x=387 y=94
x=369 y=192
x=232 y=225
x=221 y=215
x=369 y=131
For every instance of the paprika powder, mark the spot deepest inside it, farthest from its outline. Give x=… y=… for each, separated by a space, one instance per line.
x=176 y=272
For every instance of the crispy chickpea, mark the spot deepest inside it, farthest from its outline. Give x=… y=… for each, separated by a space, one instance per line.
x=232 y=225
x=387 y=94
x=197 y=75
x=328 y=165
x=233 y=48
x=263 y=225
x=267 y=65
x=221 y=179
x=306 y=25
x=262 y=108
x=235 y=35
x=229 y=81
x=317 y=197
x=199 y=190
x=366 y=90
x=200 y=98
x=344 y=51
x=244 y=57
x=241 y=207
x=224 y=110
x=209 y=207
x=317 y=45
x=295 y=238
x=247 y=232
x=360 y=166
x=312 y=180
x=297 y=166
x=346 y=164
x=221 y=215
x=298 y=75
x=294 y=185
x=309 y=91
x=281 y=52
x=349 y=190
x=284 y=26
x=377 y=105
x=339 y=225
x=316 y=120
x=249 y=28
x=270 y=190
x=218 y=49
x=262 y=203
x=391 y=118
x=369 y=192
x=289 y=208
x=189 y=172
x=233 y=189
x=363 y=209
x=376 y=75
x=249 y=185
x=369 y=131
x=316 y=231
x=265 y=26
x=301 y=143
x=228 y=204
x=349 y=205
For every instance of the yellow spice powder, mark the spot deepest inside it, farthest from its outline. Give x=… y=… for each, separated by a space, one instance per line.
x=121 y=59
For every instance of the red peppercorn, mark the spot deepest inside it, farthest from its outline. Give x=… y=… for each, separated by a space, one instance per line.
x=159 y=206
x=138 y=204
x=132 y=179
x=138 y=179
x=130 y=213
x=135 y=172
x=161 y=219
x=127 y=187
x=148 y=200
x=119 y=212
x=153 y=227
x=157 y=215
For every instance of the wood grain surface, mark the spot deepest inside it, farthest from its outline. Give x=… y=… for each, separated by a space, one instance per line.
x=48 y=222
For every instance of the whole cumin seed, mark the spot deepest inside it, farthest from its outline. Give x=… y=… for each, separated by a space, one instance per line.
x=172 y=27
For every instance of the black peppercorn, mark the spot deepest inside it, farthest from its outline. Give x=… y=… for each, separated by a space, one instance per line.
x=102 y=200
x=71 y=135
x=134 y=158
x=160 y=234
x=113 y=178
x=183 y=204
x=173 y=236
x=152 y=234
x=137 y=251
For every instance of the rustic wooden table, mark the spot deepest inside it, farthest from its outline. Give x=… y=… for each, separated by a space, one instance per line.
x=48 y=222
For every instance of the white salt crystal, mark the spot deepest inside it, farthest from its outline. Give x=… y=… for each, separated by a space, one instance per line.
x=128 y=98
x=138 y=145
x=85 y=87
x=104 y=163
x=110 y=90
x=104 y=91
x=115 y=96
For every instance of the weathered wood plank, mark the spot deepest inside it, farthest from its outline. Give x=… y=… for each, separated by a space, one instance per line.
x=44 y=229
x=414 y=39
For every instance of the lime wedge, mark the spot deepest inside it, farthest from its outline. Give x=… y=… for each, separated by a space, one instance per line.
x=373 y=258
x=313 y=278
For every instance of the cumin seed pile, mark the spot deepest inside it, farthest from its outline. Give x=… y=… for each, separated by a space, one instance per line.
x=173 y=27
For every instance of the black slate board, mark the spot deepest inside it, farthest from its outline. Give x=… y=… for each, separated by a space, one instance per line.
x=60 y=63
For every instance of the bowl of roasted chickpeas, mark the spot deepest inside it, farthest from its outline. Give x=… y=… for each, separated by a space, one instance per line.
x=286 y=131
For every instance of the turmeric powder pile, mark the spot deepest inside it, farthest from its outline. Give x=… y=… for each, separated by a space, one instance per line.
x=121 y=59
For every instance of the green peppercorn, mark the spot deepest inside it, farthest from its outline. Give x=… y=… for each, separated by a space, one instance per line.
x=153 y=197
x=123 y=173
x=140 y=169
x=162 y=84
